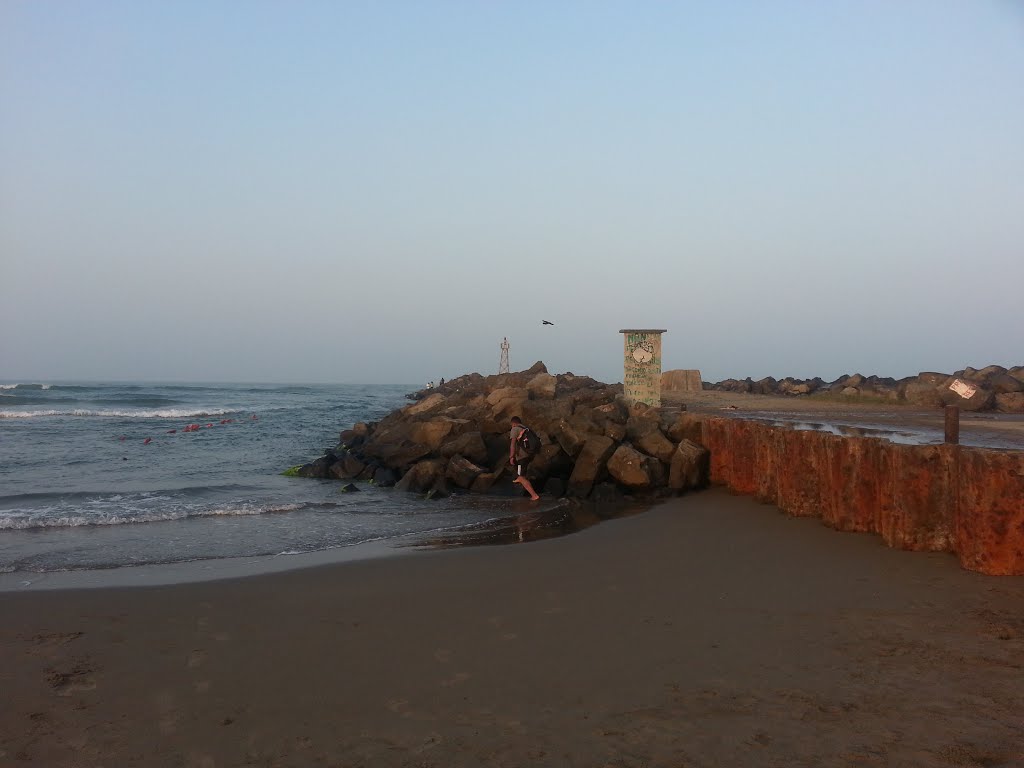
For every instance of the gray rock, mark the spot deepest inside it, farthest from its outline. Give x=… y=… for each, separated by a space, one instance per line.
x=590 y=464
x=690 y=467
x=1010 y=402
x=462 y=472
x=422 y=476
x=657 y=445
x=630 y=468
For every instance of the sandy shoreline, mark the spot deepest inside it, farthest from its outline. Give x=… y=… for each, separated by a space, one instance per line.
x=708 y=631
x=987 y=430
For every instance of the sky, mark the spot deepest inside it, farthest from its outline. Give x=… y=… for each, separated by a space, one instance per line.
x=379 y=192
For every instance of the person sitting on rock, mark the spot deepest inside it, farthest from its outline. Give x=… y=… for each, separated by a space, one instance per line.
x=519 y=456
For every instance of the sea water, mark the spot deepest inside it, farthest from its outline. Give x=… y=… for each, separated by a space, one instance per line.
x=107 y=475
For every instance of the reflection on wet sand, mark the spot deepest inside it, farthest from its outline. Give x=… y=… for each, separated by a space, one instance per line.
x=851 y=430
x=565 y=516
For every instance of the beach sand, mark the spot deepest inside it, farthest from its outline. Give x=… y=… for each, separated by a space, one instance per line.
x=708 y=631
x=985 y=429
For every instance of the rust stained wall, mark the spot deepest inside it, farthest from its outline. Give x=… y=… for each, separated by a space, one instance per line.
x=990 y=519
x=917 y=497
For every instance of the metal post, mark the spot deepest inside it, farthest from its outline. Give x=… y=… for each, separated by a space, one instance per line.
x=953 y=424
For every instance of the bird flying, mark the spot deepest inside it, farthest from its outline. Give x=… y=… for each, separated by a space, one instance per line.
x=546 y=322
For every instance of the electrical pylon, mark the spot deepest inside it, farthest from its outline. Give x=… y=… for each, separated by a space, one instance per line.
x=503 y=365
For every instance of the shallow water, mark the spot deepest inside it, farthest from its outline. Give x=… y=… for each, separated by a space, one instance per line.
x=102 y=475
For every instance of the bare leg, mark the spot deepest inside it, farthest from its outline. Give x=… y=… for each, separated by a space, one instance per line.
x=528 y=486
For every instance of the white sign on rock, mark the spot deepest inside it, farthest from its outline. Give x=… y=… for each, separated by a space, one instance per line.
x=962 y=388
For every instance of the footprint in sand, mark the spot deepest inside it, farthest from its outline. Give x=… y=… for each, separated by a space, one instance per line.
x=554 y=603
x=196 y=658
x=458 y=679
x=167 y=713
x=399 y=707
x=75 y=680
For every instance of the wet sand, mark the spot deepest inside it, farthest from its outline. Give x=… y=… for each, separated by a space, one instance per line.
x=901 y=423
x=708 y=631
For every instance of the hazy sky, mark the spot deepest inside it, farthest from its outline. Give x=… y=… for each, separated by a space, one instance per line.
x=380 y=191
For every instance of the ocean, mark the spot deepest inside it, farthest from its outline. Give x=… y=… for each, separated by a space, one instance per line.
x=111 y=475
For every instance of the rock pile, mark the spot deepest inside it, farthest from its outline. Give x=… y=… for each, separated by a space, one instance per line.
x=594 y=443
x=994 y=388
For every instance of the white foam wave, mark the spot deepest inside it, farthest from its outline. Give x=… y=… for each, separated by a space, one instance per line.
x=132 y=413
x=15 y=386
x=17 y=521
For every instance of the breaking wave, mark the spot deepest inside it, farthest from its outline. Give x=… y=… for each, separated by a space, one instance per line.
x=16 y=520
x=132 y=413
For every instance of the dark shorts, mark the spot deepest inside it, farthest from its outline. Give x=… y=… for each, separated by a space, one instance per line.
x=521 y=463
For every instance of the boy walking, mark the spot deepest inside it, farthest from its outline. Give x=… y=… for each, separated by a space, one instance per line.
x=519 y=456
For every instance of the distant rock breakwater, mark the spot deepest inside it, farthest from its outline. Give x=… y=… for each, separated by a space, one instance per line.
x=595 y=444
x=993 y=388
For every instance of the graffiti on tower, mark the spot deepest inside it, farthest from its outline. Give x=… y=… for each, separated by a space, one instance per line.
x=641 y=372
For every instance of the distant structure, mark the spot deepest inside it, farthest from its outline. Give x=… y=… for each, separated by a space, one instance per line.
x=503 y=365
x=641 y=375
x=682 y=380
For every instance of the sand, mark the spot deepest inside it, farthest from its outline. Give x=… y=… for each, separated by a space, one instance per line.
x=985 y=429
x=707 y=631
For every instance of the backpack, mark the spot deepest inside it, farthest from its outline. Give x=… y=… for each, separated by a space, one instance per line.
x=529 y=440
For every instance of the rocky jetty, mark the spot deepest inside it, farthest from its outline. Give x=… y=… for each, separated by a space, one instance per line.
x=595 y=444
x=993 y=388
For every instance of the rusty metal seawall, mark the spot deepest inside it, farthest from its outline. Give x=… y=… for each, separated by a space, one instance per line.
x=951 y=498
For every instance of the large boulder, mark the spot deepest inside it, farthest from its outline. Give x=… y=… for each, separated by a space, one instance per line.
x=1002 y=383
x=613 y=411
x=1010 y=402
x=630 y=468
x=642 y=421
x=396 y=454
x=347 y=467
x=318 y=468
x=510 y=406
x=569 y=439
x=689 y=467
x=980 y=400
x=543 y=416
x=590 y=464
x=433 y=433
x=422 y=476
x=793 y=387
x=486 y=480
x=425 y=405
x=542 y=386
x=681 y=381
x=462 y=472
x=469 y=444
x=550 y=460
x=504 y=393
x=922 y=393
x=384 y=477
x=616 y=432
x=686 y=426
x=657 y=445
x=933 y=378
